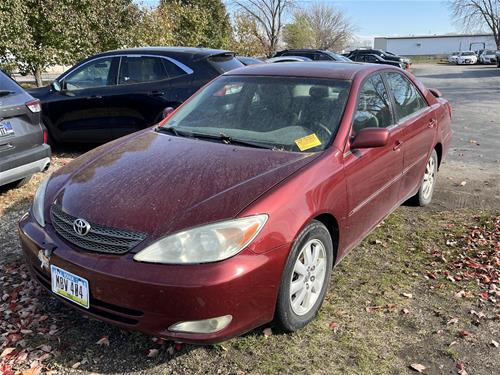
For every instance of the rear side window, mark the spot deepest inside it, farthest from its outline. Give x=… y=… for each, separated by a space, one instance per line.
x=373 y=109
x=224 y=62
x=8 y=85
x=406 y=96
x=172 y=69
x=141 y=69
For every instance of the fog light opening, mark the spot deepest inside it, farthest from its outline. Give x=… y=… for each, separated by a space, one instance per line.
x=202 y=326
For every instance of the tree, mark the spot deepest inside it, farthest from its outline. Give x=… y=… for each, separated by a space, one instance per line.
x=478 y=13
x=268 y=16
x=245 y=42
x=198 y=22
x=40 y=33
x=320 y=26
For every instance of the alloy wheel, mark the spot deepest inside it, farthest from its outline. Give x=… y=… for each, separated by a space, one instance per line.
x=429 y=178
x=308 y=277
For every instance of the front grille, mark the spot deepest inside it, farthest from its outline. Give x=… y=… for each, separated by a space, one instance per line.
x=100 y=238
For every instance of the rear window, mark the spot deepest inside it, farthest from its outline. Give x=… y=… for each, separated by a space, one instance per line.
x=224 y=62
x=8 y=84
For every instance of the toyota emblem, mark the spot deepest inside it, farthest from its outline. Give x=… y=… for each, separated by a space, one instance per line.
x=81 y=227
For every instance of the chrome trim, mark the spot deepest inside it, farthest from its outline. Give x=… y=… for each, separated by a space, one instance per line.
x=23 y=171
x=182 y=66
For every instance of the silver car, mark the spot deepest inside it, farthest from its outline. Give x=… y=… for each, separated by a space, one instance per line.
x=23 y=138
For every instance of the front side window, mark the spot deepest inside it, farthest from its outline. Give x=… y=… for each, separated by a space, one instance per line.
x=373 y=110
x=93 y=74
x=407 y=98
x=290 y=114
x=141 y=70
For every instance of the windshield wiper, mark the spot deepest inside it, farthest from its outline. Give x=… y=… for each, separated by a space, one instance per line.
x=233 y=141
x=174 y=131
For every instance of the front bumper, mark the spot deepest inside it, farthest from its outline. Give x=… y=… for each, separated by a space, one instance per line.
x=151 y=297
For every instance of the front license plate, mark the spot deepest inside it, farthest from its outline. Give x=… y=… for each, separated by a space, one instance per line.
x=6 y=129
x=70 y=286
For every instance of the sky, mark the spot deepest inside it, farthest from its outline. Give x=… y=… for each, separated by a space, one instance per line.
x=387 y=17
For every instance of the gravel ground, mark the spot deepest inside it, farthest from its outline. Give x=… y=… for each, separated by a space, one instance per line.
x=420 y=291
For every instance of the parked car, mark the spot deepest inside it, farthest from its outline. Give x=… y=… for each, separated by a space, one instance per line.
x=312 y=54
x=23 y=147
x=452 y=58
x=488 y=57
x=467 y=57
x=119 y=92
x=280 y=59
x=374 y=59
x=246 y=60
x=384 y=55
x=497 y=55
x=233 y=211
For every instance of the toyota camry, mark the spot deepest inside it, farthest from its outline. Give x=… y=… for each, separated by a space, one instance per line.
x=233 y=211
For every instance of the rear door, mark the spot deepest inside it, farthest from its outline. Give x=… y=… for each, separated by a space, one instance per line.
x=418 y=121
x=20 y=128
x=373 y=175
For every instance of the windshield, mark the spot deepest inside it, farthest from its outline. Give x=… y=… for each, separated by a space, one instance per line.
x=468 y=53
x=489 y=52
x=284 y=113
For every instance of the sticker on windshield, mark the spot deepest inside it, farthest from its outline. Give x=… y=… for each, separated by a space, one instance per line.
x=307 y=142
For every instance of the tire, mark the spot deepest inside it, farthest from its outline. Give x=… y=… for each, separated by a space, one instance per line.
x=426 y=189
x=311 y=281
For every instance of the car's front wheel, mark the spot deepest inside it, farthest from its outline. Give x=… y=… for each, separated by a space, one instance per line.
x=426 y=190
x=306 y=277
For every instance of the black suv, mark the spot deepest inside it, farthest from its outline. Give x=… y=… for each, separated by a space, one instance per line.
x=313 y=54
x=118 y=92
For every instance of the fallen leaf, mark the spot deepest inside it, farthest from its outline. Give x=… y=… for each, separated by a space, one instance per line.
x=76 y=365
x=463 y=183
x=103 y=341
x=452 y=321
x=464 y=333
x=417 y=367
x=268 y=332
x=407 y=295
x=6 y=352
x=494 y=343
x=405 y=311
x=33 y=370
x=333 y=327
x=153 y=353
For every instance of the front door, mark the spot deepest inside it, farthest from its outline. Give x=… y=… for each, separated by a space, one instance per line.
x=373 y=175
x=82 y=111
x=418 y=121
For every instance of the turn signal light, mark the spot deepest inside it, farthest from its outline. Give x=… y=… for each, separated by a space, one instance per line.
x=34 y=106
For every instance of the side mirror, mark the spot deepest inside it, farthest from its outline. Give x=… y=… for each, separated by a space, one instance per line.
x=167 y=112
x=436 y=93
x=370 y=137
x=56 y=86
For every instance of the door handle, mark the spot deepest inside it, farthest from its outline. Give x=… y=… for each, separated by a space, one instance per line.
x=432 y=123
x=94 y=97
x=397 y=145
x=157 y=93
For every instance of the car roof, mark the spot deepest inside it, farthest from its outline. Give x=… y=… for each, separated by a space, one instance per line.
x=193 y=52
x=313 y=69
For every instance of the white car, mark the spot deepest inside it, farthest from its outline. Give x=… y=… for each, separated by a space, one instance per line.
x=453 y=57
x=467 y=57
x=488 y=57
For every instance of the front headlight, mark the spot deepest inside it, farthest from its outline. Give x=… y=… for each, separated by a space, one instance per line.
x=38 y=200
x=208 y=243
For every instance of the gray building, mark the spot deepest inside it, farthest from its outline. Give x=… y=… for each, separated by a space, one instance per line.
x=434 y=44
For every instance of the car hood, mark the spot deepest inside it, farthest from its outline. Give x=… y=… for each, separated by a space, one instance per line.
x=158 y=184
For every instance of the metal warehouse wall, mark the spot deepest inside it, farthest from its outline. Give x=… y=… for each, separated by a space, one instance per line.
x=438 y=45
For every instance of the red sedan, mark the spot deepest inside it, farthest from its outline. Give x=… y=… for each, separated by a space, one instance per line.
x=233 y=211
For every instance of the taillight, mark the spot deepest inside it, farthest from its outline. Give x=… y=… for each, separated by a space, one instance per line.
x=34 y=105
x=45 y=136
